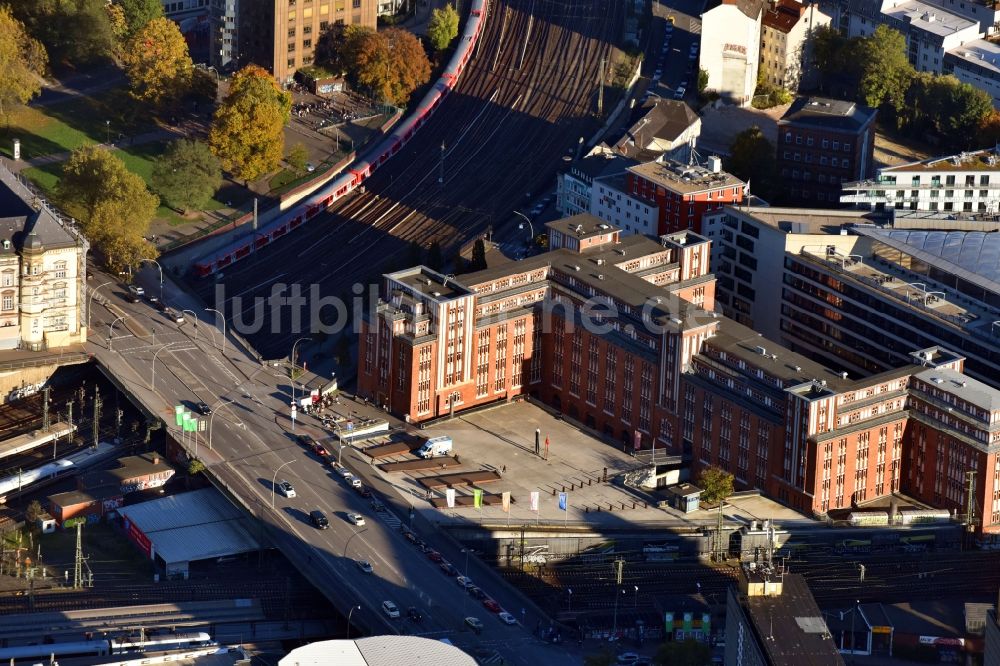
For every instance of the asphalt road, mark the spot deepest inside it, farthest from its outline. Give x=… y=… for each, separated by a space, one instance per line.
x=252 y=444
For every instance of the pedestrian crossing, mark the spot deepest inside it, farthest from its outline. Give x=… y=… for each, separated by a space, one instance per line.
x=390 y=519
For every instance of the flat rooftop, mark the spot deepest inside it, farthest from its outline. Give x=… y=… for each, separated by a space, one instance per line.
x=791 y=627
x=805 y=220
x=976 y=54
x=963 y=387
x=423 y=280
x=932 y=19
x=976 y=160
x=583 y=225
x=685 y=179
x=827 y=113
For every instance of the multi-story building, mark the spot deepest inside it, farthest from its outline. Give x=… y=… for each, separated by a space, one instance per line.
x=668 y=129
x=964 y=183
x=281 y=35
x=224 y=35
x=42 y=274
x=821 y=144
x=184 y=10
x=730 y=47
x=574 y=185
x=772 y=620
x=856 y=295
x=618 y=333
x=976 y=62
x=785 y=43
x=662 y=197
x=929 y=22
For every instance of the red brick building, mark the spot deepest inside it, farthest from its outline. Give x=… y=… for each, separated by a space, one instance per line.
x=618 y=333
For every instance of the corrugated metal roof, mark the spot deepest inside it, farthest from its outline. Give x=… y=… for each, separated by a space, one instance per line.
x=379 y=651
x=192 y=526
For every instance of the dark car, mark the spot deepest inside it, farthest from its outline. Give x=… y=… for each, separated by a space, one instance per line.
x=448 y=568
x=414 y=614
x=306 y=440
x=378 y=505
x=203 y=408
x=160 y=305
x=363 y=491
x=434 y=556
x=319 y=520
x=476 y=593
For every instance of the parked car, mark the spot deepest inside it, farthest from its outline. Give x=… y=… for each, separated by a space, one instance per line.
x=414 y=614
x=390 y=609
x=203 y=408
x=434 y=556
x=286 y=489
x=306 y=440
x=377 y=505
x=355 y=482
x=160 y=306
x=507 y=618
x=476 y=593
x=363 y=491
x=174 y=315
x=356 y=519
x=475 y=624
x=491 y=606
x=365 y=566
x=464 y=582
x=319 y=520
x=448 y=568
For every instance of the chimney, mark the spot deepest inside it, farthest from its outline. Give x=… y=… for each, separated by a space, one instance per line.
x=156 y=458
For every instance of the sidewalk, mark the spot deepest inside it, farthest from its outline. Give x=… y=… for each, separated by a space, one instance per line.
x=56 y=158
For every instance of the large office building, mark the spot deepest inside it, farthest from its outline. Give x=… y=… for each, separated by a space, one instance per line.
x=858 y=295
x=963 y=184
x=786 y=43
x=664 y=196
x=821 y=144
x=976 y=62
x=620 y=334
x=575 y=184
x=281 y=35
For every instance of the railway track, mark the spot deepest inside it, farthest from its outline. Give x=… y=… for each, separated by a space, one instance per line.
x=523 y=102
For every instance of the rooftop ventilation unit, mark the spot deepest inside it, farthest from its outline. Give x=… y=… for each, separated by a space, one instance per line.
x=798 y=368
x=436 y=294
x=761 y=351
x=843 y=375
x=576 y=268
x=600 y=276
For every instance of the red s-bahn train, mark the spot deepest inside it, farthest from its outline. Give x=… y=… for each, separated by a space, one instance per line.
x=360 y=169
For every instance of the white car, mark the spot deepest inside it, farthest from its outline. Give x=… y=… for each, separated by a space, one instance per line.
x=365 y=566
x=464 y=582
x=390 y=609
x=355 y=482
x=356 y=519
x=343 y=472
x=286 y=489
x=680 y=92
x=507 y=618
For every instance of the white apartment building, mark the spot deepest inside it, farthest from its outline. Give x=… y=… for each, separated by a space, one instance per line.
x=785 y=53
x=611 y=201
x=730 y=48
x=977 y=63
x=965 y=183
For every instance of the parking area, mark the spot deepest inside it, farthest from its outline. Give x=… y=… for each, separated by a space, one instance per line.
x=589 y=470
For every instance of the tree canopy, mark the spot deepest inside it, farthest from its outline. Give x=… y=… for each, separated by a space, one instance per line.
x=248 y=129
x=478 y=262
x=22 y=62
x=752 y=159
x=716 y=484
x=138 y=13
x=112 y=203
x=73 y=32
x=338 y=44
x=187 y=175
x=157 y=63
x=886 y=73
x=945 y=106
x=392 y=64
x=443 y=27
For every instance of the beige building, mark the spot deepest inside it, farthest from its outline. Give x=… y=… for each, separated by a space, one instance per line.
x=42 y=273
x=786 y=29
x=281 y=35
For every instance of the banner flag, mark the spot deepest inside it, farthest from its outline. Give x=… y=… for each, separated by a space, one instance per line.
x=506 y=501
x=477 y=498
x=563 y=501
x=450 y=495
x=534 y=500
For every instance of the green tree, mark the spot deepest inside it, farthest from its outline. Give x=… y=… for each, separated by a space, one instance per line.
x=112 y=203
x=74 y=32
x=478 y=262
x=886 y=73
x=248 y=129
x=392 y=64
x=297 y=157
x=338 y=44
x=945 y=106
x=442 y=28
x=118 y=24
x=138 y=14
x=837 y=60
x=752 y=159
x=22 y=63
x=33 y=512
x=195 y=467
x=702 y=80
x=435 y=260
x=187 y=175
x=157 y=63
x=716 y=484
x=688 y=652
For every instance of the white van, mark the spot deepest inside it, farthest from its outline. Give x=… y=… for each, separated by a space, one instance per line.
x=435 y=446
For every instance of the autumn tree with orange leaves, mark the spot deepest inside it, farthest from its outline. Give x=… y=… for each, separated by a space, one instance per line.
x=391 y=64
x=157 y=63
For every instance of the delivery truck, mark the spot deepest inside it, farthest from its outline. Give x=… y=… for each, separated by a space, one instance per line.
x=435 y=446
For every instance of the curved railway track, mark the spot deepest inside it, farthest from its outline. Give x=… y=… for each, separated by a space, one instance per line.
x=524 y=101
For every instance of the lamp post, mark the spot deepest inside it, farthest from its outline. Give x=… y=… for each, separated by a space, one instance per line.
x=193 y=314
x=152 y=375
x=274 y=479
x=854 y=612
x=353 y=608
x=218 y=406
x=569 y=590
x=107 y=124
x=635 y=599
x=465 y=602
x=531 y=228
x=223 y=317
x=294 y=345
x=90 y=303
x=111 y=330
x=614 y=630
x=160 y=268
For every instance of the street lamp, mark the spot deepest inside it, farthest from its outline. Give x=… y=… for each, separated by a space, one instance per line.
x=531 y=228
x=152 y=376
x=274 y=479
x=614 y=630
x=90 y=303
x=294 y=345
x=569 y=590
x=154 y=261
x=195 y=321
x=107 y=124
x=635 y=600
x=111 y=330
x=223 y=317
x=222 y=403
x=353 y=608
